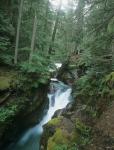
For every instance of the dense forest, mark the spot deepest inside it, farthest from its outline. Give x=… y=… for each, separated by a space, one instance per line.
x=79 y=34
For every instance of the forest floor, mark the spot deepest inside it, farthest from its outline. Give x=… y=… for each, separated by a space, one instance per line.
x=106 y=123
x=103 y=136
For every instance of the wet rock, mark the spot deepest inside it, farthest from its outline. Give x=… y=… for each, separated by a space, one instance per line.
x=64 y=111
x=21 y=112
x=60 y=128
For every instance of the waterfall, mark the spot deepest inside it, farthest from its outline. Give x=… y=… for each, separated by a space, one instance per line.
x=58 y=99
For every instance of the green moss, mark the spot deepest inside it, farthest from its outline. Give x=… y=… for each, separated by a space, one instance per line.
x=75 y=137
x=6 y=78
x=55 y=121
x=107 y=85
x=51 y=144
x=63 y=140
x=4 y=83
x=59 y=138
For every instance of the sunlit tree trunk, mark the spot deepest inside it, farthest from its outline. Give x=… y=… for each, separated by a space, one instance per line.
x=33 y=38
x=55 y=29
x=18 y=32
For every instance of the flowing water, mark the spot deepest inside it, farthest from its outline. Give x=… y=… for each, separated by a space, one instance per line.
x=58 y=99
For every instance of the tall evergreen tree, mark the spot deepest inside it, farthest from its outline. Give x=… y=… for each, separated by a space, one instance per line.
x=55 y=28
x=33 y=38
x=18 y=31
x=79 y=23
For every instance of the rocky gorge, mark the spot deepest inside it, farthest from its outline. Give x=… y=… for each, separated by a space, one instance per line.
x=81 y=125
x=19 y=109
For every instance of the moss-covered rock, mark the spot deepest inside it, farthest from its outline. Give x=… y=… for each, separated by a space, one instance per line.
x=59 y=131
x=4 y=83
x=6 y=78
x=55 y=121
x=16 y=114
x=59 y=138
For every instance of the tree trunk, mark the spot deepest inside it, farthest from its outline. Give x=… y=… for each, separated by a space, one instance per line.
x=33 y=38
x=113 y=55
x=79 y=25
x=18 y=32
x=45 y=23
x=55 y=29
x=46 y=16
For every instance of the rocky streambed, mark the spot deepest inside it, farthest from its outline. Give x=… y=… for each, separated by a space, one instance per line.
x=59 y=97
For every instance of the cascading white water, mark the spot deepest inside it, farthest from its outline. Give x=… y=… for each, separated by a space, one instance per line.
x=61 y=101
x=57 y=100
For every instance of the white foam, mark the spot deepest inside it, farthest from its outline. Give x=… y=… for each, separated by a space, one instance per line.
x=54 y=79
x=58 y=65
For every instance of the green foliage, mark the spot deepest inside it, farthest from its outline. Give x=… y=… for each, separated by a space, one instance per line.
x=110 y=78
x=85 y=59
x=39 y=65
x=89 y=84
x=74 y=147
x=90 y=111
x=6 y=35
x=60 y=147
x=57 y=139
x=84 y=133
x=7 y=112
x=4 y=43
x=95 y=91
x=107 y=85
x=35 y=73
x=111 y=26
x=55 y=121
x=90 y=33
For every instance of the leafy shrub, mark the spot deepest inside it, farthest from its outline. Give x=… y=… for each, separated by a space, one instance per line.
x=5 y=113
x=61 y=147
x=84 y=133
x=35 y=73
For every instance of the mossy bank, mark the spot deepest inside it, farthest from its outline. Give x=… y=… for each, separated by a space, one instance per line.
x=84 y=125
x=20 y=104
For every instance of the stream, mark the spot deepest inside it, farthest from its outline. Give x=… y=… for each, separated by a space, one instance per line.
x=59 y=97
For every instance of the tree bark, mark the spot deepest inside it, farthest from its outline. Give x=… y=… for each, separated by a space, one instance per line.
x=55 y=29
x=113 y=55
x=18 y=32
x=33 y=38
x=45 y=23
